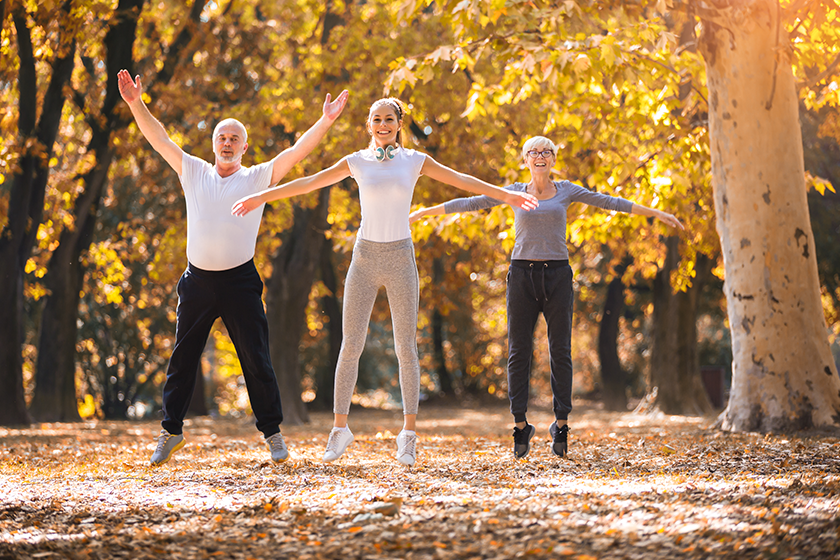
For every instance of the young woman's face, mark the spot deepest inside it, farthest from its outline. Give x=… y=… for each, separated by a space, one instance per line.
x=383 y=125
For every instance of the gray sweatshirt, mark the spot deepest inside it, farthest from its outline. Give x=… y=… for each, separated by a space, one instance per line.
x=541 y=233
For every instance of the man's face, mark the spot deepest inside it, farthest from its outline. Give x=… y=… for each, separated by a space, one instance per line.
x=229 y=143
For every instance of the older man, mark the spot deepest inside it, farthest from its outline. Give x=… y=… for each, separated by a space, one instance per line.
x=221 y=279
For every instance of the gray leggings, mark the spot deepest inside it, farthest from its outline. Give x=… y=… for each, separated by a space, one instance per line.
x=374 y=265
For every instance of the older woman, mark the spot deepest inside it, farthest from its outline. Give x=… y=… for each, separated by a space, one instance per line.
x=540 y=281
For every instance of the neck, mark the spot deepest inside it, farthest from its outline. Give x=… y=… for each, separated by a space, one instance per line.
x=228 y=169
x=541 y=182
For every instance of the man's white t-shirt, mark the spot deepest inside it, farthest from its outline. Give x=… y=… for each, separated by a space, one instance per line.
x=216 y=239
x=385 y=191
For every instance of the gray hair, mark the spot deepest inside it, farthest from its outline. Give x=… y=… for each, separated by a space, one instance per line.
x=228 y=121
x=537 y=143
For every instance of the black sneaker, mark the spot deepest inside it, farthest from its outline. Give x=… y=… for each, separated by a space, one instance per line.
x=522 y=439
x=559 y=439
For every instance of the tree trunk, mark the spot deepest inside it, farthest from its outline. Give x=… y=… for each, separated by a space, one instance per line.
x=325 y=385
x=613 y=377
x=54 y=399
x=674 y=364
x=783 y=374
x=443 y=375
x=55 y=373
x=26 y=204
x=286 y=297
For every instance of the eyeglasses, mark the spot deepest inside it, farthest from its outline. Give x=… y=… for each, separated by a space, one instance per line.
x=536 y=153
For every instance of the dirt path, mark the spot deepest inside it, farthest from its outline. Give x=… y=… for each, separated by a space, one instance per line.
x=633 y=487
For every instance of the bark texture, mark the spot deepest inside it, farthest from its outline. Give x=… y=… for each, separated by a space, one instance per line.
x=26 y=204
x=674 y=362
x=286 y=296
x=784 y=377
x=613 y=376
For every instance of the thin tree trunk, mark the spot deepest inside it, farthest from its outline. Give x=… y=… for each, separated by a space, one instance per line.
x=443 y=375
x=783 y=373
x=613 y=376
x=55 y=373
x=325 y=384
x=26 y=203
x=54 y=399
x=674 y=364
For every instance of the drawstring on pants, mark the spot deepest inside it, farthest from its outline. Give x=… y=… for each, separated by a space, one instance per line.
x=543 y=268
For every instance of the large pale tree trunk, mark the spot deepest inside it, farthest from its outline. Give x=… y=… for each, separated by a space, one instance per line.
x=783 y=373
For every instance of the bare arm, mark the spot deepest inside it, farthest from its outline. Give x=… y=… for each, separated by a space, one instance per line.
x=444 y=174
x=132 y=93
x=437 y=210
x=291 y=156
x=329 y=176
x=669 y=219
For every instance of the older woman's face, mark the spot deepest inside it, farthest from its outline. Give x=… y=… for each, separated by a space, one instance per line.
x=540 y=159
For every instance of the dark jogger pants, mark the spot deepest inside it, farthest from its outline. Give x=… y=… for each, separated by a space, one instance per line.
x=235 y=295
x=535 y=287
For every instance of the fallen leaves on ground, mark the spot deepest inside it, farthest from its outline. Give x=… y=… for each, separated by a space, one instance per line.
x=632 y=487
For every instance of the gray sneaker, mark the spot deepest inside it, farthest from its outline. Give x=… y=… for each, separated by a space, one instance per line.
x=167 y=445
x=277 y=446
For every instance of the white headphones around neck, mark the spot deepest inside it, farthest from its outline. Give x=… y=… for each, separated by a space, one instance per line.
x=381 y=154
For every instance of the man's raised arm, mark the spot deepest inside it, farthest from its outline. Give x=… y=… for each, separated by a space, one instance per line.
x=132 y=93
x=290 y=157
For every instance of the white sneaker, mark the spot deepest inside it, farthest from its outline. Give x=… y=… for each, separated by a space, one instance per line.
x=338 y=442
x=407 y=448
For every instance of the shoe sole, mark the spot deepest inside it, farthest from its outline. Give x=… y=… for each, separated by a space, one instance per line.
x=283 y=460
x=178 y=446
x=405 y=464
x=337 y=457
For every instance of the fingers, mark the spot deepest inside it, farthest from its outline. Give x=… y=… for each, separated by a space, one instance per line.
x=528 y=202
x=239 y=209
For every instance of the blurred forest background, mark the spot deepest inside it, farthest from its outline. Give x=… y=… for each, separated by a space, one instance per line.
x=103 y=226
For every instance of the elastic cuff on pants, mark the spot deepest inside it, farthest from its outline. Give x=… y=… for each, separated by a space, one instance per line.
x=517 y=418
x=268 y=432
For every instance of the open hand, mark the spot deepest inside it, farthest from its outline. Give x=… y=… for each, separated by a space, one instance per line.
x=333 y=109
x=245 y=205
x=129 y=90
x=414 y=216
x=670 y=219
x=523 y=200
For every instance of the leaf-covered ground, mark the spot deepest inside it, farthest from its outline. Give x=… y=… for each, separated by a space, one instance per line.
x=632 y=487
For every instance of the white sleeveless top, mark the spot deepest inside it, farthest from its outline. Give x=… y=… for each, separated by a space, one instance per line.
x=385 y=191
x=216 y=239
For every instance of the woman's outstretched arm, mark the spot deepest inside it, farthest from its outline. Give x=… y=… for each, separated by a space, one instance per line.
x=444 y=174
x=664 y=217
x=329 y=176
x=437 y=210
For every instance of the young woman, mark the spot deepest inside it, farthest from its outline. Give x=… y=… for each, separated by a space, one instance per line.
x=540 y=281
x=386 y=173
